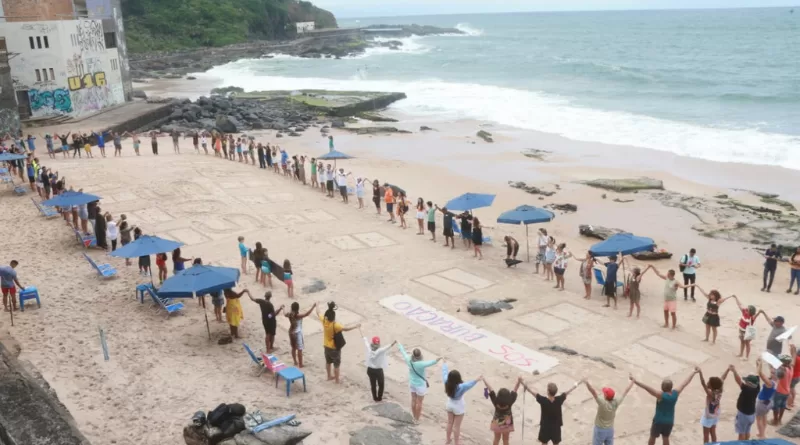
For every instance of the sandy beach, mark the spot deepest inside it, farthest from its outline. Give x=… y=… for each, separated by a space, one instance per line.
x=163 y=370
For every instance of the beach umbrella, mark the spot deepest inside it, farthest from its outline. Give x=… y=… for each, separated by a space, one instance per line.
x=526 y=215
x=202 y=280
x=4 y=157
x=71 y=198
x=625 y=243
x=470 y=201
x=334 y=155
x=146 y=245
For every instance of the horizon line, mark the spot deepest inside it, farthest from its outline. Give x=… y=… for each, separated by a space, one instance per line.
x=570 y=11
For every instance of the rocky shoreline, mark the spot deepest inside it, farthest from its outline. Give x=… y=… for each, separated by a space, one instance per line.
x=329 y=44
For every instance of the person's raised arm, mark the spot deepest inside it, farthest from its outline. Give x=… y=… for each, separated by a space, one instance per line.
x=279 y=310
x=702 y=379
x=684 y=286
x=308 y=312
x=403 y=353
x=725 y=374
x=350 y=328
x=658 y=274
x=519 y=382
x=590 y=388
x=318 y=314
x=686 y=382
x=251 y=297
x=488 y=386
x=627 y=389
x=736 y=375
x=573 y=387
x=702 y=291
x=650 y=390
x=769 y=319
x=738 y=303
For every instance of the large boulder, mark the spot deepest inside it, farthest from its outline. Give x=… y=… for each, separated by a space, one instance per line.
x=598 y=232
x=373 y=435
x=139 y=94
x=227 y=124
x=626 y=185
x=480 y=307
x=792 y=428
x=391 y=411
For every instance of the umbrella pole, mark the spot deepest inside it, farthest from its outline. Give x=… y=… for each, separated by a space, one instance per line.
x=205 y=313
x=527 y=244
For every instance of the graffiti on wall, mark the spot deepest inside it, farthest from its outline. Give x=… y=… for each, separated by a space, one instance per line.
x=87 y=81
x=89 y=100
x=46 y=102
x=90 y=35
x=39 y=28
x=75 y=65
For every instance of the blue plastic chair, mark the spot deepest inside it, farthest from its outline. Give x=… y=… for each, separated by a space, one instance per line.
x=29 y=293
x=47 y=212
x=104 y=270
x=256 y=359
x=598 y=275
x=164 y=303
x=142 y=289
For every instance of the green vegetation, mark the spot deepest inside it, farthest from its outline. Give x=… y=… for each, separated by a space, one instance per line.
x=155 y=25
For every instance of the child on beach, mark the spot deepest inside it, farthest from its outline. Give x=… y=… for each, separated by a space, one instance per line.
x=455 y=388
x=243 y=254
x=421 y=216
x=503 y=420
x=266 y=271
x=296 y=332
x=218 y=301
x=87 y=146
x=287 y=278
x=710 y=416
x=549 y=258
x=542 y=245
x=477 y=237
x=161 y=263
x=360 y=192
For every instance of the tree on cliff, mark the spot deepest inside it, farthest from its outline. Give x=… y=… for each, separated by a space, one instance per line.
x=172 y=24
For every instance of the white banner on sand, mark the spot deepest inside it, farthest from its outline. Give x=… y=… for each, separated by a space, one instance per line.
x=490 y=344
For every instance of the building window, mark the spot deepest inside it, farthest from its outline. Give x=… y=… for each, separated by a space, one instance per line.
x=39 y=42
x=111 y=40
x=114 y=64
x=52 y=74
x=72 y=38
x=44 y=71
x=38 y=76
x=46 y=42
x=33 y=46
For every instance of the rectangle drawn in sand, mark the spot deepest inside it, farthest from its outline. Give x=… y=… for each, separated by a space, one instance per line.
x=373 y=239
x=346 y=242
x=153 y=215
x=481 y=340
x=188 y=236
x=443 y=285
x=654 y=362
x=318 y=216
x=543 y=322
x=465 y=278
x=676 y=350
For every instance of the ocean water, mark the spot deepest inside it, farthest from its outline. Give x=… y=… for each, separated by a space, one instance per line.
x=722 y=85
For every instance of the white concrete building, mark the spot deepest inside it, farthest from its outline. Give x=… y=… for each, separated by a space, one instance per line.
x=303 y=27
x=63 y=67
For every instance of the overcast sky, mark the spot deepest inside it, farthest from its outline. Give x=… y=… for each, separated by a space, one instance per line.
x=382 y=8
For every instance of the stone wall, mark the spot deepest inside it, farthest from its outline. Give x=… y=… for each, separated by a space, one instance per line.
x=28 y=10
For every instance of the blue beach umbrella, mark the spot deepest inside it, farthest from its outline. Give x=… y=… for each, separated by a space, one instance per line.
x=146 y=245
x=626 y=243
x=470 y=201
x=199 y=279
x=526 y=215
x=71 y=198
x=334 y=155
x=4 y=157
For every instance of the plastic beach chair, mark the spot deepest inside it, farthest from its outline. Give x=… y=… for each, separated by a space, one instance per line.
x=281 y=371
x=256 y=359
x=47 y=212
x=29 y=293
x=598 y=275
x=85 y=240
x=19 y=190
x=104 y=270
x=140 y=291
x=164 y=303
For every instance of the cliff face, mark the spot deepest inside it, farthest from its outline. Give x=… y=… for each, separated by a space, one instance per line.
x=154 y=25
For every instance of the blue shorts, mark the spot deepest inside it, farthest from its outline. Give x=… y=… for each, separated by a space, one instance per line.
x=779 y=401
x=265 y=267
x=744 y=422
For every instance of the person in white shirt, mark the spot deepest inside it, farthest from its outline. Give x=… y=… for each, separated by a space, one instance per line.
x=542 y=243
x=112 y=232
x=329 y=175
x=689 y=265
x=204 y=143
x=341 y=182
x=375 y=361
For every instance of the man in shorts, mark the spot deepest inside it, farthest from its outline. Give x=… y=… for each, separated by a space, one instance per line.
x=671 y=287
x=9 y=284
x=432 y=220
x=341 y=182
x=268 y=319
x=31 y=173
x=666 y=399
x=551 y=419
x=746 y=403
x=447 y=227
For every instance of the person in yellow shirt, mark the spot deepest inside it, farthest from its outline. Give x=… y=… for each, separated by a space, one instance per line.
x=333 y=355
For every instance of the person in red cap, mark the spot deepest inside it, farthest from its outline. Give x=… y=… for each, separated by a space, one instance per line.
x=607 y=405
x=375 y=361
